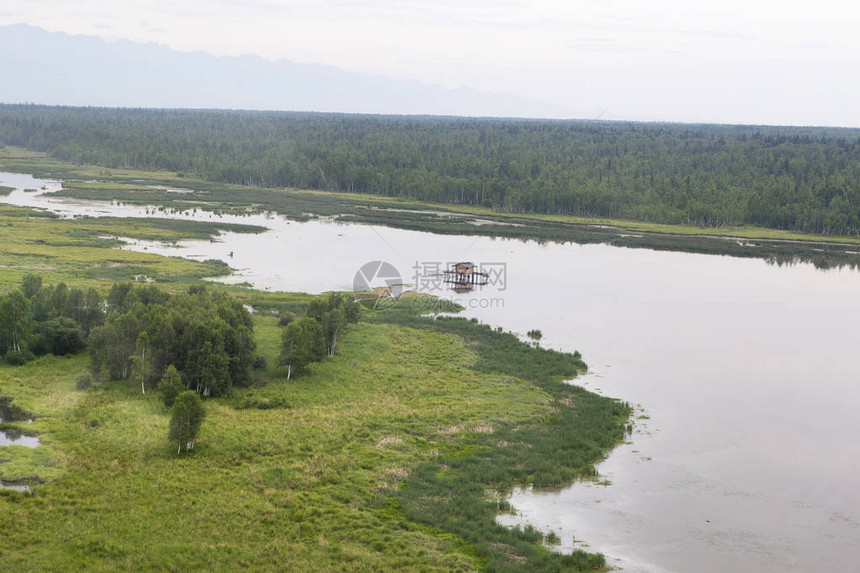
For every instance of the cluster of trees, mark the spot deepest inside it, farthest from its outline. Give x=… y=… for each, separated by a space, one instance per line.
x=37 y=320
x=208 y=338
x=190 y=344
x=137 y=330
x=311 y=338
x=805 y=179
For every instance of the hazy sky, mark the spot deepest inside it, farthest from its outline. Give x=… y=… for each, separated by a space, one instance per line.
x=786 y=62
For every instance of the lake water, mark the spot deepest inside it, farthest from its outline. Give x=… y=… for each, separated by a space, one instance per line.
x=746 y=451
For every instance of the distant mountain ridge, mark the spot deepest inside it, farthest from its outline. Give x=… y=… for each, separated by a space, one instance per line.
x=58 y=69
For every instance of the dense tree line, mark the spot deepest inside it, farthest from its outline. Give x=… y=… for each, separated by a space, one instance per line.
x=805 y=179
x=36 y=320
x=207 y=337
x=137 y=331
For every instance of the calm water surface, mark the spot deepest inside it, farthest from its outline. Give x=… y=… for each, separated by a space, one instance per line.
x=746 y=452
x=13 y=436
x=16 y=439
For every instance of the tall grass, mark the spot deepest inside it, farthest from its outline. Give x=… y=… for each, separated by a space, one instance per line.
x=377 y=459
x=560 y=445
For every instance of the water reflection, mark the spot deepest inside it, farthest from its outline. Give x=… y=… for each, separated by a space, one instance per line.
x=461 y=288
x=820 y=262
x=14 y=435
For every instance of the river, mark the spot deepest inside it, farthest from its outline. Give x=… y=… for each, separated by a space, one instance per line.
x=746 y=449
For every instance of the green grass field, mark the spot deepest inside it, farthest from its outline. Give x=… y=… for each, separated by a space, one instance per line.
x=311 y=484
x=81 y=251
x=283 y=488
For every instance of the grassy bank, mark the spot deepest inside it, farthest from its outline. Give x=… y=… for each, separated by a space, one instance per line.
x=159 y=188
x=374 y=460
x=82 y=251
x=575 y=429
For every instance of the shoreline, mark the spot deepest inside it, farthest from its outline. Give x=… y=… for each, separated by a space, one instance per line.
x=153 y=188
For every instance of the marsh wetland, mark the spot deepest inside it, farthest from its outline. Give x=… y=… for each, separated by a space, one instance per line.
x=744 y=450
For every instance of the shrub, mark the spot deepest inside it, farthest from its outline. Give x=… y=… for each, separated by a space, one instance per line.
x=260 y=362
x=16 y=358
x=83 y=382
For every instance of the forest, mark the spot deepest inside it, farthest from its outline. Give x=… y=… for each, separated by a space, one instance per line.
x=794 y=178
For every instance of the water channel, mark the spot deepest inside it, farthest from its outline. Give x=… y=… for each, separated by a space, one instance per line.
x=746 y=449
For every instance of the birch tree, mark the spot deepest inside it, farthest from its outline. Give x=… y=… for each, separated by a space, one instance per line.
x=188 y=414
x=142 y=362
x=15 y=319
x=302 y=343
x=170 y=386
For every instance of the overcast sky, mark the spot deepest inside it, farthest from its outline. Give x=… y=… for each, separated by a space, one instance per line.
x=787 y=62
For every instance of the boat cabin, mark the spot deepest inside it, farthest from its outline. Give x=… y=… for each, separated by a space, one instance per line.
x=464 y=268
